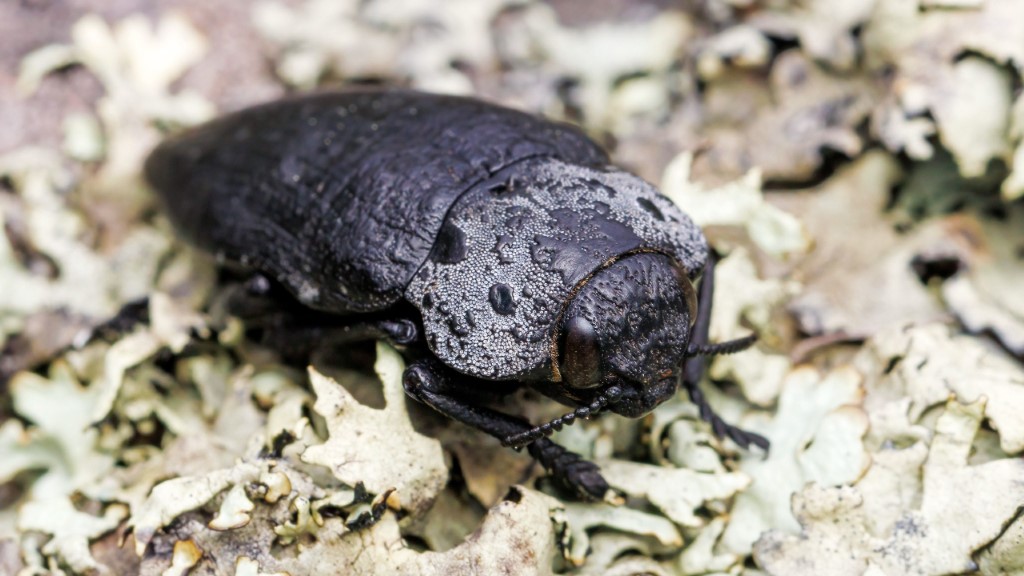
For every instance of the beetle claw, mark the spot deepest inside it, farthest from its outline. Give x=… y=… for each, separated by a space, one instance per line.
x=582 y=476
x=720 y=427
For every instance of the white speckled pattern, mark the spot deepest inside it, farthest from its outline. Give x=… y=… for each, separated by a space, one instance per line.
x=538 y=227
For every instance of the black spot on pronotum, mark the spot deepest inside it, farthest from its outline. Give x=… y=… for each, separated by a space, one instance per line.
x=501 y=299
x=651 y=208
x=450 y=245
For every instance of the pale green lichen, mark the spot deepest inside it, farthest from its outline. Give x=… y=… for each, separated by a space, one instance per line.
x=379 y=448
x=229 y=460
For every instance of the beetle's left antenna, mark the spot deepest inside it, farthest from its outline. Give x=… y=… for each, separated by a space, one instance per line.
x=538 y=432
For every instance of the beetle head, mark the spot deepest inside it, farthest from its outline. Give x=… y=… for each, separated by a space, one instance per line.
x=628 y=327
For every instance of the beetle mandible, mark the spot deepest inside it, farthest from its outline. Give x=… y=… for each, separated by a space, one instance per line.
x=496 y=248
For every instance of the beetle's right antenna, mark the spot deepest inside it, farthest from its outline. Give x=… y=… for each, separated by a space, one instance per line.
x=730 y=347
x=538 y=432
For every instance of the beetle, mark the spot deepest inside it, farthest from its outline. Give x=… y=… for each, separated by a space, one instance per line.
x=497 y=248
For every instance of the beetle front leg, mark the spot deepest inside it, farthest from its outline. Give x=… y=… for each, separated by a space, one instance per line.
x=431 y=384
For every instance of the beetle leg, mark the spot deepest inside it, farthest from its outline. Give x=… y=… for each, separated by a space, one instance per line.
x=297 y=338
x=693 y=369
x=720 y=427
x=430 y=384
x=274 y=318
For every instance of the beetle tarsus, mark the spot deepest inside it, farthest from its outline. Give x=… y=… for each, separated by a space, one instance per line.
x=720 y=427
x=583 y=476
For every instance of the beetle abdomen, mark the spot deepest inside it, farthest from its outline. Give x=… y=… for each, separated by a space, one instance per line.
x=513 y=249
x=341 y=196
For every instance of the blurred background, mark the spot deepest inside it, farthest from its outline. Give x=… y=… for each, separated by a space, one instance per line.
x=860 y=163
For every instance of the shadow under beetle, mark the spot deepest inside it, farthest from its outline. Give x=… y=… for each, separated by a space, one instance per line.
x=496 y=248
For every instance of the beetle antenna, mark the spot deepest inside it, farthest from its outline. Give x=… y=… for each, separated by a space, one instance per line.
x=729 y=347
x=538 y=432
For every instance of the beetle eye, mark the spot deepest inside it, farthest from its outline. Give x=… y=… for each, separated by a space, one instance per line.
x=581 y=357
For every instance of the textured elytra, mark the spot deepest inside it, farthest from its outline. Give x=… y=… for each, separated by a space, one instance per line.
x=538 y=228
x=341 y=196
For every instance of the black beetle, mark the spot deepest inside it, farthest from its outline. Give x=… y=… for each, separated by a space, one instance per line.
x=499 y=249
